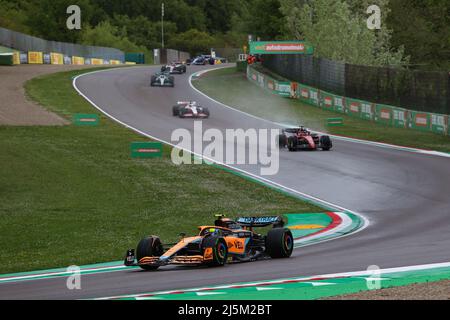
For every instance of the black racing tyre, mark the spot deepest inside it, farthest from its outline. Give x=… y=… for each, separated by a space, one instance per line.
x=325 y=143
x=292 y=144
x=282 y=141
x=206 y=111
x=279 y=243
x=149 y=247
x=152 y=81
x=176 y=111
x=219 y=248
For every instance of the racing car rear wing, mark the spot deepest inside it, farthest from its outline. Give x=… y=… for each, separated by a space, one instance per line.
x=260 y=222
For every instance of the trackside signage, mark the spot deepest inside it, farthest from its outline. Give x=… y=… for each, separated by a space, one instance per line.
x=86 y=120
x=283 y=88
x=439 y=123
x=380 y=113
x=146 y=150
x=335 y=122
x=280 y=47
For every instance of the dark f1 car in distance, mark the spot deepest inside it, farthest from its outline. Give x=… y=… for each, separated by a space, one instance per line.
x=162 y=79
x=174 y=68
x=227 y=241
x=190 y=110
x=302 y=139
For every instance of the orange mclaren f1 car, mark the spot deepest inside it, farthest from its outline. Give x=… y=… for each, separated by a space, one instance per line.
x=228 y=241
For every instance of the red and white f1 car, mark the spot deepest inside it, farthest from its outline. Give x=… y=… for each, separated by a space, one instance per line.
x=190 y=109
x=302 y=139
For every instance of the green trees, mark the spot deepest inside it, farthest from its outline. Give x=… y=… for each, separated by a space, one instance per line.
x=13 y=15
x=339 y=32
x=192 y=41
x=47 y=18
x=423 y=28
x=337 y=28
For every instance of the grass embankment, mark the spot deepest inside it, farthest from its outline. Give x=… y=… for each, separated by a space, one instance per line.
x=232 y=88
x=72 y=195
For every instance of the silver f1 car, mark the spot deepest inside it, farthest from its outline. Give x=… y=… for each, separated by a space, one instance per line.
x=163 y=79
x=190 y=110
x=174 y=68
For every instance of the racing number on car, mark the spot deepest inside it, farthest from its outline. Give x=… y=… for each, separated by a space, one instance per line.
x=236 y=245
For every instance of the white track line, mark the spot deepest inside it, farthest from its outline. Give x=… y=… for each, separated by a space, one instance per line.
x=299 y=194
x=58 y=273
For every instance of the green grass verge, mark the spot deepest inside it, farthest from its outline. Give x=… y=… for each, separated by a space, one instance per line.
x=72 y=195
x=231 y=87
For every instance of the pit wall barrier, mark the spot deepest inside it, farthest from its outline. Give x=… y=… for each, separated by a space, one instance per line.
x=384 y=114
x=37 y=57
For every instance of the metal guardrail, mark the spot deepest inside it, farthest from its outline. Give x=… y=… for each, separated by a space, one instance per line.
x=413 y=89
x=26 y=43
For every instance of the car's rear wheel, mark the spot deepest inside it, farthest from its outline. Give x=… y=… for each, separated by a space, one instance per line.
x=279 y=243
x=149 y=247
x=292 y=144
x=282 y=141
x=219 y=249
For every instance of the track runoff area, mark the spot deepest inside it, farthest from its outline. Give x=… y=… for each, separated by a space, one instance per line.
x=318 y=228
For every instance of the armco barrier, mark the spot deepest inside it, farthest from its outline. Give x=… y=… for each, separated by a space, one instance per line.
x=384 y=114
x=57 y=58
x=270 y=84
x=439 y=123
x=35 y=57
x=78 y=61
x=381 y=113
x=420 y=121
x=47 y=58
x=353 y=107
x=25 y=43
x=331 y=102
x=283 y=88
x=309 y=95
x=96 y=61
x=16 y=58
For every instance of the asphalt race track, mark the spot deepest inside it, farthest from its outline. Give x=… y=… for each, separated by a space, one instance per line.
x=404 y=195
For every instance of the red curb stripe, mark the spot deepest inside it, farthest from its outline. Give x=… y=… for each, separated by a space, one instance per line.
x=335 y=221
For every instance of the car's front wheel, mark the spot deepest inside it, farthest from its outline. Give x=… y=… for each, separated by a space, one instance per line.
x=325 y=143
x=149 y=247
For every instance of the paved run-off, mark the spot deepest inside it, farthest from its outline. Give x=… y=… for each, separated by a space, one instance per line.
x=15 y=108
